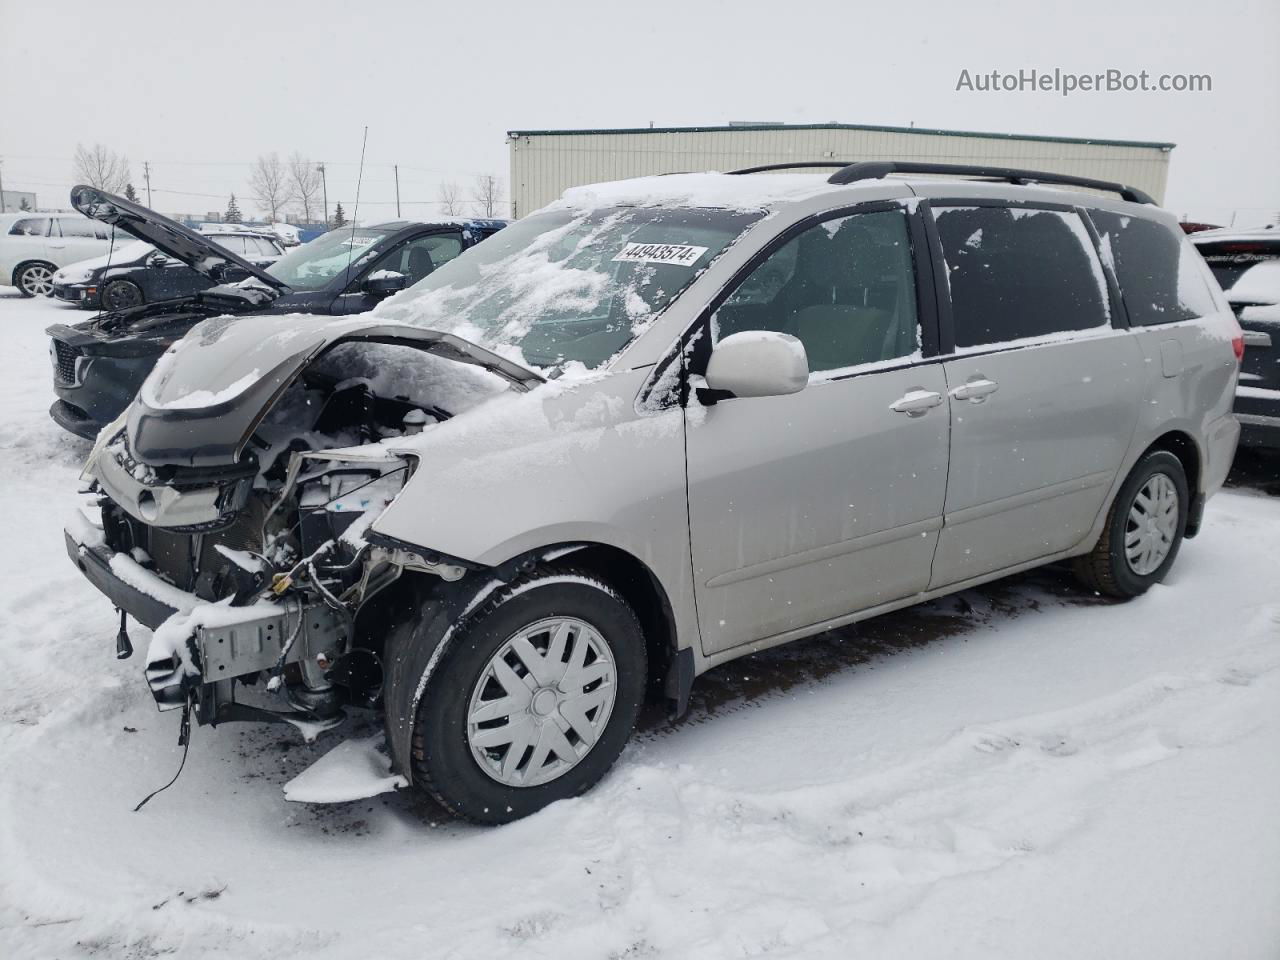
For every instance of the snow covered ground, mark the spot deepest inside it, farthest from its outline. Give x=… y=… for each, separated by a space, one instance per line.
x=1021 y=771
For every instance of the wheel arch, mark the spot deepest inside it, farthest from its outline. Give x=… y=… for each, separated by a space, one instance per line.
x=410 y=625
x=670 y=674
x=29 y=262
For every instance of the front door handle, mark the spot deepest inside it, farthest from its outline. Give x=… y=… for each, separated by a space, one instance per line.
x=916 y=403
x=975 y=389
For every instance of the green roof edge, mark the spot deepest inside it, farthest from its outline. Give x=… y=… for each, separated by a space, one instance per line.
x=747 y=128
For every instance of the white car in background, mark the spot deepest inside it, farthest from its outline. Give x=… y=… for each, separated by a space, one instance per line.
x=34 y=245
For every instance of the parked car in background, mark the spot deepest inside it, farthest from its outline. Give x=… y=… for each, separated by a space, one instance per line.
x=1247 y=265
x=33 y=246
x=655 y=426
x=138 y=273
x=99 y=364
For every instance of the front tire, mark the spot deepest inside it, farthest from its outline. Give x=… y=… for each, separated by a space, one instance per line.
x=533 y=700
x=1143 y=532
x=121 y=294
x=34 y=280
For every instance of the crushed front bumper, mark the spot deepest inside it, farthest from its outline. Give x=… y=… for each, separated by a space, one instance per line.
x=235 y=644
x=94 y=561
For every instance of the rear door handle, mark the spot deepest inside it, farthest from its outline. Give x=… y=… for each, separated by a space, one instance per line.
x=916 y=403
x=975 y=389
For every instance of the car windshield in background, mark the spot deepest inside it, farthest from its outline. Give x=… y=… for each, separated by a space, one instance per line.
x=312 y=265
x=1230 y=260
x=567 y=285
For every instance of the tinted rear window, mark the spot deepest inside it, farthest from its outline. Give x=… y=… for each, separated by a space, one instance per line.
x=79 y=227
x=31 y=227
x=1160 y=280
x=1019 y=272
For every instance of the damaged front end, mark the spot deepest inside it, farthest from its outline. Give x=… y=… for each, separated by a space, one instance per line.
x=234 y=498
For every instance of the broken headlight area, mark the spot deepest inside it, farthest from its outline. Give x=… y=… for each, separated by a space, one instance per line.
x=264 y=559
x=271 y=591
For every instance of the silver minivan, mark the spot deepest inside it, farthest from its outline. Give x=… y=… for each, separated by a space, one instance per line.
x=650 y=428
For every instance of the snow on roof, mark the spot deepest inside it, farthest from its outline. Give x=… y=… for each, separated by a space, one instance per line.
x=1268 y=232
x=746 y=192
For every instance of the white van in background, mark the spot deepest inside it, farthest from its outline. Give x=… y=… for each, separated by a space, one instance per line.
x=34 y=245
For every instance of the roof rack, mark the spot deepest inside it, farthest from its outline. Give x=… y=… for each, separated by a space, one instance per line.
x=876 y=169
x=799 y=165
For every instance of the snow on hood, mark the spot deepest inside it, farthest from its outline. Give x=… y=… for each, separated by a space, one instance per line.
x=723 y=191
x=1260 y=283
x=207 y=392
x=222 y=358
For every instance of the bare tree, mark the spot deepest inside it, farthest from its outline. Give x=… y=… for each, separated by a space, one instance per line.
x=269 y=182
x=450 y=202
x=487 y=194
x=304 y=184
x=101 y=168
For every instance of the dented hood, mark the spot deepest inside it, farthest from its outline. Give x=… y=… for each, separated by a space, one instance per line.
x=208 y=393
x=196 y=250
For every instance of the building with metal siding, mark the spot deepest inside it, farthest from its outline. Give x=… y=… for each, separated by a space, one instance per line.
x=544 y=163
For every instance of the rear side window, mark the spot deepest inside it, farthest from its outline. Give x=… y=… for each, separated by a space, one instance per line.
x=1160 y=280
x=79 y=227
x=234 y=244
x=1020 y=272
x=30 y=227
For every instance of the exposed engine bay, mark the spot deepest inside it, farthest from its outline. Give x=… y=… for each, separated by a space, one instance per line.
x=266 y=558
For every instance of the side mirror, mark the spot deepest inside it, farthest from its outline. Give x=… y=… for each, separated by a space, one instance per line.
x=758 y=363
x=383 y=283
x=159 y=260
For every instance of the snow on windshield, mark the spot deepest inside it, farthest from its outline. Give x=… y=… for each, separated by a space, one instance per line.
x=570 y=286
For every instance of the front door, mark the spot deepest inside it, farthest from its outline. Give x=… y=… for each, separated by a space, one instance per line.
x=808 y=507
x=1044 y=392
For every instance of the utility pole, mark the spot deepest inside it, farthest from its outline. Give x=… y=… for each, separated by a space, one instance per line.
x=146 y=175
x=324 y=184
x=1 y=188
x=396 y=168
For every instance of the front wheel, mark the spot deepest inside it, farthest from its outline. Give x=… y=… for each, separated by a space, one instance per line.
x=533 y=699
x=120 y=294
x=1143 y=532
x=35 y=280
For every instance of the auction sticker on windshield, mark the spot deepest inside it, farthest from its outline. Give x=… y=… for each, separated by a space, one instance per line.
x=677 y=253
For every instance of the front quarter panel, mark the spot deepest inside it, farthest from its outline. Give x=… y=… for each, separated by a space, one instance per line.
x=564 y=463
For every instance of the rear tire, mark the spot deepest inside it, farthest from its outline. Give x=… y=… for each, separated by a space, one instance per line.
x=121 y=294
x=1143 y=532
x=485 y=700
x=34 y=279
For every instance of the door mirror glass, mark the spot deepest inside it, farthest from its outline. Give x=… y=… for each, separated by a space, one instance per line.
x=382 y=283
x=758 y=363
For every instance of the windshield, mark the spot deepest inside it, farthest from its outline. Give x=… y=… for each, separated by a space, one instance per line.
x=570 y=286
x=312 y=265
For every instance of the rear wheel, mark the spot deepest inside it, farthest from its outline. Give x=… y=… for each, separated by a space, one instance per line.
x=1144 y=529
x=533 y=700
x=34 y=280
x=119 y=294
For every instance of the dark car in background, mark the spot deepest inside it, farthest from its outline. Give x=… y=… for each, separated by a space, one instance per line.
x=1247 y=265
x=99 y=365
x=138 y=273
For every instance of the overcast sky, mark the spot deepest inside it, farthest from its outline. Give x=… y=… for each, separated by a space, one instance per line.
x=200 y=90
